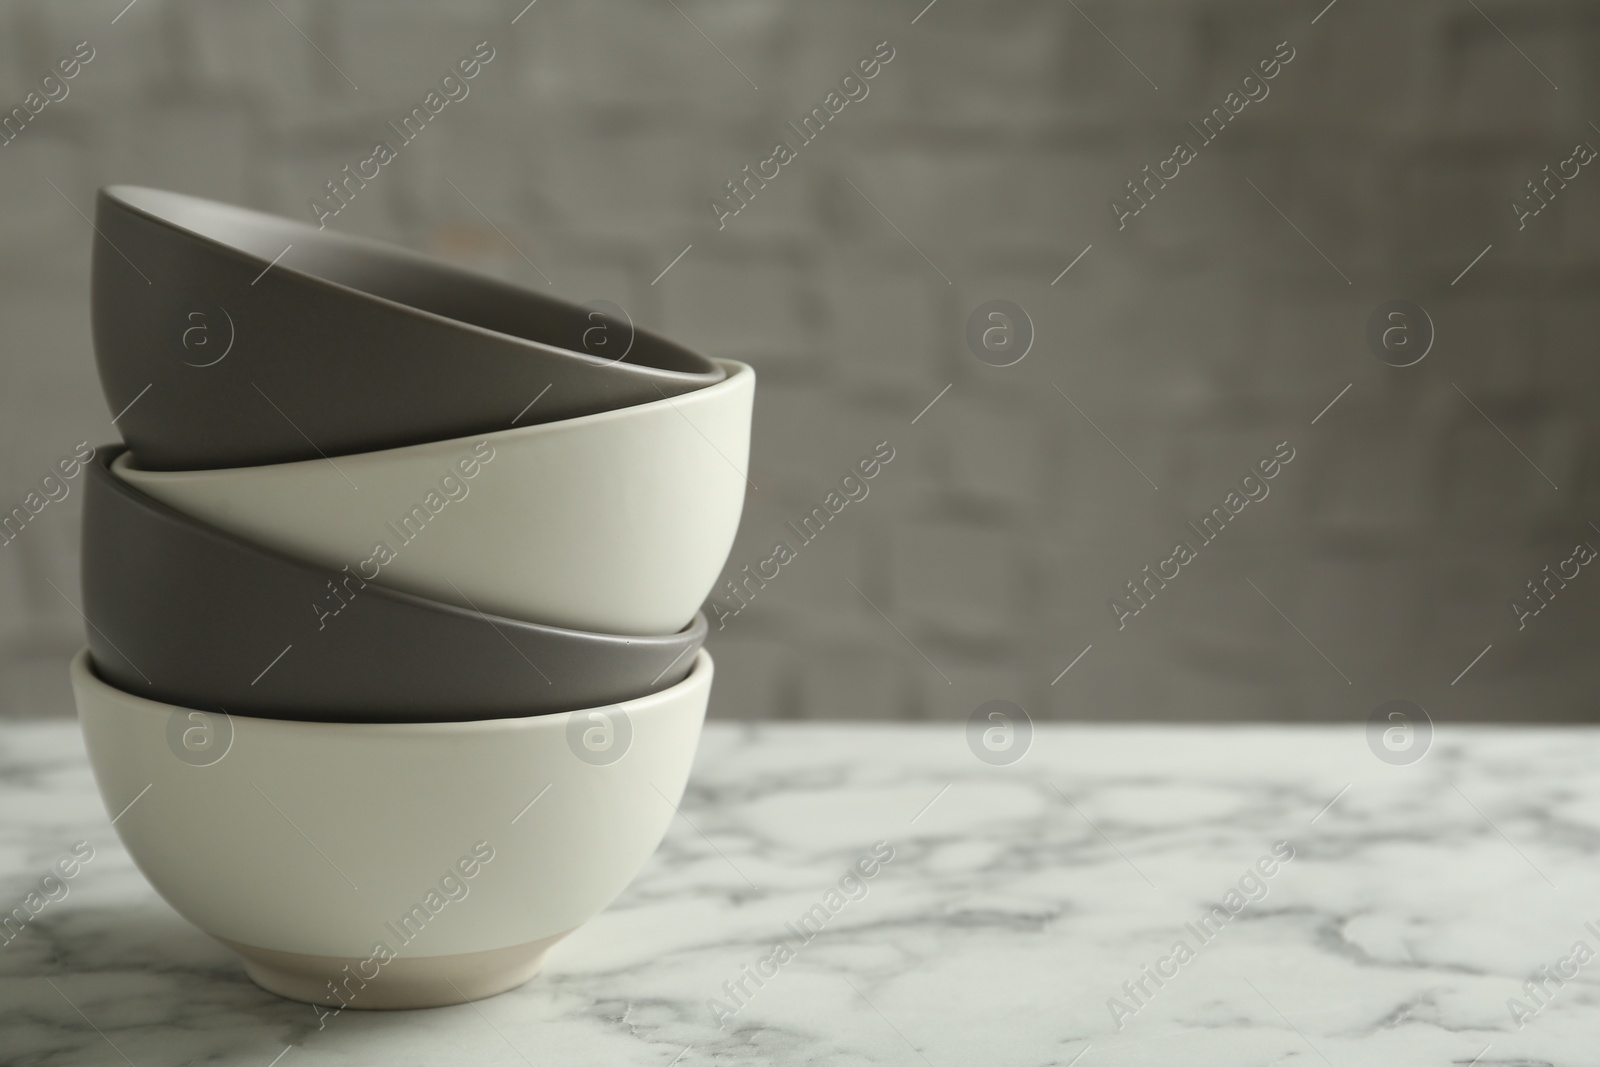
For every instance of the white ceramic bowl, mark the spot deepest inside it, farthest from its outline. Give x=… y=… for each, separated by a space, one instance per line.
x=306 y=846
x=618 y=522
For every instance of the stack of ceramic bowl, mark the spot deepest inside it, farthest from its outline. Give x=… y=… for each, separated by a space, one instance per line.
x=394 y=673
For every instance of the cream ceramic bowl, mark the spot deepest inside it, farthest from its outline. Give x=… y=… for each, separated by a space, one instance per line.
x=618 y=522
x=390 y=865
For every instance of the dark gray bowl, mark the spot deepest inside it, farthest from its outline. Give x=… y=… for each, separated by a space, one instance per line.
x=230 y=338
x=184 y=613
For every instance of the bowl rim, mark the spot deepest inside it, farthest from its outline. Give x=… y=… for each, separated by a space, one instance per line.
x=83 y=676
x=739 y=376
x=117 y=196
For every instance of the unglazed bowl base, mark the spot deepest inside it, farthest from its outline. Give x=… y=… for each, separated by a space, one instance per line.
x=416 y=982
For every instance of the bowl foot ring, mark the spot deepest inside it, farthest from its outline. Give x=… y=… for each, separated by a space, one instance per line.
x=402 y=982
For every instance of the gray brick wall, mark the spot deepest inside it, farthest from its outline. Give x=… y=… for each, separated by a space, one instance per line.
x=1196 y=338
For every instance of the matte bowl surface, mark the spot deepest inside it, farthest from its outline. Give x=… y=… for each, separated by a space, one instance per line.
x=226 y=337
x=617 y=523
x=464 y=848
x=183 y=612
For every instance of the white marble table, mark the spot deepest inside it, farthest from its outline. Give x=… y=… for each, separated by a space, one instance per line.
x=1019 y=900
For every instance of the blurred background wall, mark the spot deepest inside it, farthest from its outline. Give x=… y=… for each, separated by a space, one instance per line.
x=1219 y=321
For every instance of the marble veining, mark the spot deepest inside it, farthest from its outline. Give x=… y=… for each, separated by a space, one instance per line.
x=1020 y=905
